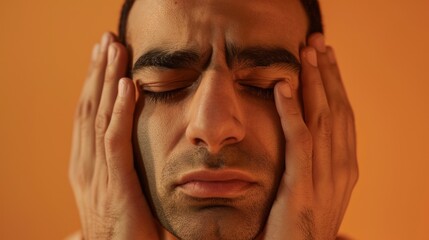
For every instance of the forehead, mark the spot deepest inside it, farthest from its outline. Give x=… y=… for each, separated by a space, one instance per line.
x=208 y=24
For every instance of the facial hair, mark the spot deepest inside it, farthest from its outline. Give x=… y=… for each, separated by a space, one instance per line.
x=217 y=218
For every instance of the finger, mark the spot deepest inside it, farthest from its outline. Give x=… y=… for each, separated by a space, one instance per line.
x=341 y=107
x=89 y=104
x=80 y=169
x=97 y=69
x=328 y=68
x=75 y=151
x=76 y=138
x=343 y=140
x=334 y=87
x=318 y=118
x=76 y=143
x=298 y=151
x=116 y=67
x=343 y=133
x=94 y=55
x=118 y=135
x=82 y=164
x=81 y=115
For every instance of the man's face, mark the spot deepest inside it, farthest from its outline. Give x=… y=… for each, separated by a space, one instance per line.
x=209 y=135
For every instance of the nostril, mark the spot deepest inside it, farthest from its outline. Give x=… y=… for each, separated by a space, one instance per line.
x=229 y=140
x=198 y=142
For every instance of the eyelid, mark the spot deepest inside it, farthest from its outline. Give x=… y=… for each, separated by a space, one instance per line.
x=261 y=83
x=264 y=70
x=170 y=74
x=166 y=85
x=264 y=77
x=164 y=70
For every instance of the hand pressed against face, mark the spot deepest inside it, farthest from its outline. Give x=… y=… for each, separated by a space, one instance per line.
x=207 y=69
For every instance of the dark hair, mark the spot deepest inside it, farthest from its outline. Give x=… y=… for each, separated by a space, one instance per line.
x=311 y=7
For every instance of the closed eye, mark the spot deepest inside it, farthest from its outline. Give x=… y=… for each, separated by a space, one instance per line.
x=264 y=93
x=174 y=95
x=166 y=91
x=165 y=96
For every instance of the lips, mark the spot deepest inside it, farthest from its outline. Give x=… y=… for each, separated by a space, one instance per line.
x=215 y=183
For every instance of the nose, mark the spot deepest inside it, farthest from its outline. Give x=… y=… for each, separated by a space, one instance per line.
x=215 y=119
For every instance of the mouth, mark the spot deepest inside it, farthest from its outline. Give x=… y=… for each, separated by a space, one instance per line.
x=215 y=183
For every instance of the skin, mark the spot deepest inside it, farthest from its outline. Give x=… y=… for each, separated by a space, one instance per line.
x=216 y=119
x=305 y=168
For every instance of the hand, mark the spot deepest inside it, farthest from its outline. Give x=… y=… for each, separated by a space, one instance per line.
x=105 y=184
x=320 y=159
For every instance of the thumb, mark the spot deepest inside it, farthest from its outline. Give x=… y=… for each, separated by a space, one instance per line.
x=118 y=135
x=298 y=149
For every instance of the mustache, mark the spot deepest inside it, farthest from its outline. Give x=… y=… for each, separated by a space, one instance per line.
x=201 y=157
x=233 y=156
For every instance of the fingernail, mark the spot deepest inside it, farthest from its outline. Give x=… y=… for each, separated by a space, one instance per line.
x=111 y=54
x=320 y=43
x=285 y=90
x=311 y=57
x=105 y=40
x=123 y=88
x=95 y=51
x=331 y=56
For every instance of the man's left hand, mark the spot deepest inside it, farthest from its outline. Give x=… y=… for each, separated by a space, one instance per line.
x=320 y=154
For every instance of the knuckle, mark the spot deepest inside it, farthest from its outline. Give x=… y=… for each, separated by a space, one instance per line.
x=111 y=142
x=324 y=123
x=344 y=167
x=99 y=64
x=305 y=139
x=343 y=112
x=86 y=109
x=351 y=118
x=354 y=176
x=102 y=122
x=121 y=107
x=110 y=74
x=293 y=112
x=348 y=175
x=78 y=179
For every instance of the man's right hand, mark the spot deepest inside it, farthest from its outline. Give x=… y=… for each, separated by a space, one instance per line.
x=106 y=187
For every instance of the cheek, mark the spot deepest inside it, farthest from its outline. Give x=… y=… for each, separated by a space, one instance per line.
x=158 y=130
x=161 y=129
x=263 y=128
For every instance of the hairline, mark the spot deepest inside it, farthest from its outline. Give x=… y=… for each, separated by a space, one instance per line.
x=311 y=8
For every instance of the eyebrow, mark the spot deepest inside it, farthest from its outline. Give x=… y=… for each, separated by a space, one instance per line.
x=162 y=58
x=261 y=56
x=249 y=57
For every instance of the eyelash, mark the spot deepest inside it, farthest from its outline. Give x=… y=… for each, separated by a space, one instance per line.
x=164 y=97
x=168 y=96
x=264 y=93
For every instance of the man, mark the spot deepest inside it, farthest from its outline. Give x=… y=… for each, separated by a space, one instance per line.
x=240 y=129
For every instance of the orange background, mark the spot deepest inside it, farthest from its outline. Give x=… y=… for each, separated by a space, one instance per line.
x=383 y=50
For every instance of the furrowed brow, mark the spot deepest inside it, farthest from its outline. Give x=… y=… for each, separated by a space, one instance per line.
x=166 y=59
x=263 y=57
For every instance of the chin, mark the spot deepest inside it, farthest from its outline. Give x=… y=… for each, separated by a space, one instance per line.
x=215 y=219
